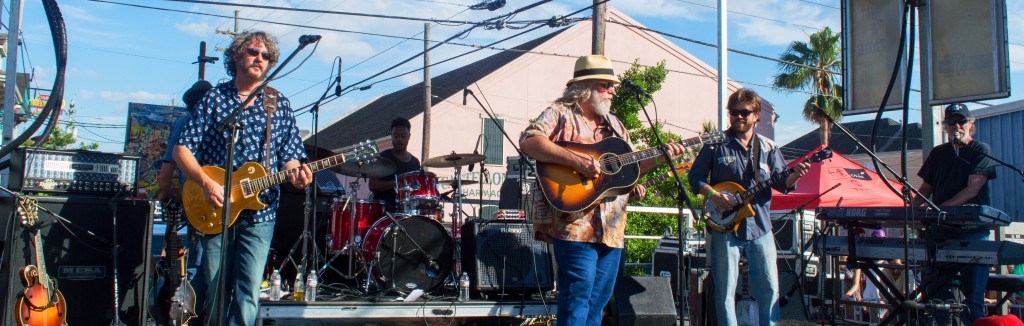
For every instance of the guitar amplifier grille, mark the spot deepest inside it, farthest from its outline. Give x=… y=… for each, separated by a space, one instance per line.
x=502 y=256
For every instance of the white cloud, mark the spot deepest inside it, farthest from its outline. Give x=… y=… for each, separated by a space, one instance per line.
x=201 y=29
x=136 y=96
x=690 y=10
x=780 y=22
x=78 y=13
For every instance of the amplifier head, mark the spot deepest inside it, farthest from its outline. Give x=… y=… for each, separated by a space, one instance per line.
x=73 y=171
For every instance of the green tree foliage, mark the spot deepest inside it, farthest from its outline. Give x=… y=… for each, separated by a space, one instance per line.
x=664 y=194
x=816 y=70
x=62 y=138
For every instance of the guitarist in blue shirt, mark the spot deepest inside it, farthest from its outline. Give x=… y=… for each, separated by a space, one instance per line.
x=731 y=162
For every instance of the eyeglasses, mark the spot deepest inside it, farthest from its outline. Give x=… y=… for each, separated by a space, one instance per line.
x=740 y=113
x=255 y=52
x=606 y=85
x=952 y=123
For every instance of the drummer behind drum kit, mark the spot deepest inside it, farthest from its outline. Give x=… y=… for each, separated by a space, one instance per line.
x=409 y=249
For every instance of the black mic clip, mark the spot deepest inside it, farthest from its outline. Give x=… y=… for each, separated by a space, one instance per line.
x=308 y=39
x=628 y=84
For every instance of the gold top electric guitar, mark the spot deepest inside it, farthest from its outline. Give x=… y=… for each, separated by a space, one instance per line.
x=246 y=184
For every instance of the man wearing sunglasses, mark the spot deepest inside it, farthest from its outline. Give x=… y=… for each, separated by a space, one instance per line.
x=744 y=158
x=588 y=243
x=269 y=136
x=956 y=173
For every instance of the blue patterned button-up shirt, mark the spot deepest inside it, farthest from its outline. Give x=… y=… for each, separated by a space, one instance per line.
x=200 y=136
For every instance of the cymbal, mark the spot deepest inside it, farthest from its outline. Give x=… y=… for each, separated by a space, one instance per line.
x=381 y=167
x=453 y=160
x=451 y=183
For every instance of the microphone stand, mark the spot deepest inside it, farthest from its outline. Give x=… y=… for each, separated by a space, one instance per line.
x=1007 y=165
x=907 y=189
x=682 y=198
x=232 y=126
x=312 y=192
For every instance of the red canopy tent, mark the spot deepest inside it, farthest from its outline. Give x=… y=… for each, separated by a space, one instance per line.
x=859 y=187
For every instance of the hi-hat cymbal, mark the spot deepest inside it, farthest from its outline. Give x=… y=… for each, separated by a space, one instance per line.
x=381 y=167
x=453 y=160
x=451 y=183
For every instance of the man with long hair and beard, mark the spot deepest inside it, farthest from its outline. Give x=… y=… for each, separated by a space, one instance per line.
x=588 y=243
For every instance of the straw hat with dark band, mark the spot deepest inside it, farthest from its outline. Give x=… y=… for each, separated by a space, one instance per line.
x=593 y=66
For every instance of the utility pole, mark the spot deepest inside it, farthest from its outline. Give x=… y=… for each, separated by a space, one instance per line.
x=223 y=32
x=11 y=74
x=202 y=60
x=426 y=92
x=723 y=65
x=597 y=43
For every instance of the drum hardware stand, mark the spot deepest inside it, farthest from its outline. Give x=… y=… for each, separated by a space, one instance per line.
x=351 y=247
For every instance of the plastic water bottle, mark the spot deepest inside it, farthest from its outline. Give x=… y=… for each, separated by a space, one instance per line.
x=464 y=287
x=311 y=283
x=275 y=285
x=299 y=289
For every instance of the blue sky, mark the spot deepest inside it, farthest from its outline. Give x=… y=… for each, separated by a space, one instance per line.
x=120 y=54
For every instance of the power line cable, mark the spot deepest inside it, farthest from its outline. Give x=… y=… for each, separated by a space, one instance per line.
x=346 y=13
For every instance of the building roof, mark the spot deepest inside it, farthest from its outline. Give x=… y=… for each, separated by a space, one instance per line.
x=887 y=139
x=372 y=120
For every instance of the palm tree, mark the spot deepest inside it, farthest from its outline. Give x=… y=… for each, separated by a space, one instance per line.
x=814 y=67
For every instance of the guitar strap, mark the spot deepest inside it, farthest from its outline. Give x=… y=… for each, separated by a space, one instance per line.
x=755 y=157
x=270 y=103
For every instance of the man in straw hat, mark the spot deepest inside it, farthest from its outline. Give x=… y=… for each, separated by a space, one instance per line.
x=588 y=243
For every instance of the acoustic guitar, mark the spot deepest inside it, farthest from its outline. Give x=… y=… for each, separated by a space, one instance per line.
x=681 y=168
x=728 y=220
x=172 y=301
x=246 y=184
x=40 y=303
x=568 y=191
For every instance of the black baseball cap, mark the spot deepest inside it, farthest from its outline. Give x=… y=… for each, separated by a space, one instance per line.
x=958 y=109
x=194 y=94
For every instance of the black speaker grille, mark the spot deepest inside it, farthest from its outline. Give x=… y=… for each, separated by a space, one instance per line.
x=502 y=256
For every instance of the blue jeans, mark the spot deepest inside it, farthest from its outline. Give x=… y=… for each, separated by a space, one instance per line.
x=972 y=281
x=586 y=278
x=243 y=270
x=724 y=253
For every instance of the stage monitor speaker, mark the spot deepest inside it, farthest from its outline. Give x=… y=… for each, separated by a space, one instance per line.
x=642 y=300
x=81 y=263
x=965 y=44
x=873 y=28
x=502 y=256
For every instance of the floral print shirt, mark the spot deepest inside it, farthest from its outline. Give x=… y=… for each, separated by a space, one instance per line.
x=604 y=222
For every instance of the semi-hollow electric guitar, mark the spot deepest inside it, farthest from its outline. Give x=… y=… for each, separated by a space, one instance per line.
x=568 y=191
x=40 y=303
x=728 y=220
x=246 y=184
x=172 y=301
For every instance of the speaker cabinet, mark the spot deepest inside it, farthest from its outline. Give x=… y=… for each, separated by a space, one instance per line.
x=77 y=255
x=642 y=300
x=502 y=256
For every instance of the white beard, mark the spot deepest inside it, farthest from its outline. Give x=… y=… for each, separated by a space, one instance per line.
x=602 y=107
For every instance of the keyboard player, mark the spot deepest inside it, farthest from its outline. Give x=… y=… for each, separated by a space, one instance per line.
x=956 y=173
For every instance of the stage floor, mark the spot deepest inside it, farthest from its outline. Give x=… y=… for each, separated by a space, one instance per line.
x=433 y=312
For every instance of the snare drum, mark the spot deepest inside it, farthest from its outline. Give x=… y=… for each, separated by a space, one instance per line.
x=417 y=193
x=417 y=255
x=360 y=212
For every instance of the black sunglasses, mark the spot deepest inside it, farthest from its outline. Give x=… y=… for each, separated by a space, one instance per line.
x=606 y=85
x=740 y=113
x=255 y=52
x=957 y=122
